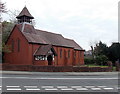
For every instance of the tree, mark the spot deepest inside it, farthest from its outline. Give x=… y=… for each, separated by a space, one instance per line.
x=13 y=14
x=6 y=29
x=101 y=49
x=2 y=9
x=114 y=52
x=101 y=60
x=100 y=53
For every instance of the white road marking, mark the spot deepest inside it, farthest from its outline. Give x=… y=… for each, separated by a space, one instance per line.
x=66 y=89
x=62 y=86
x=51 y=89
x=101 y=86
x=12 y=86
x=14 y=89
x=81 y=89
x=47 y=86
x=76 y=86
x=108 y=88
x=89 y=86
x=32 y=89
x=30 y=86
x=96 y=88
x=41 y=78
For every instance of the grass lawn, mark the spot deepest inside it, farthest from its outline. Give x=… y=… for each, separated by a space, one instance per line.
x=95 y=65
x=91 y=65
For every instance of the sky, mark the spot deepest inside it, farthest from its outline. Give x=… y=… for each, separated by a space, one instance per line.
x=85 y=21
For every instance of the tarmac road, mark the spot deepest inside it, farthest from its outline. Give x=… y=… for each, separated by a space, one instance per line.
x=14 y=81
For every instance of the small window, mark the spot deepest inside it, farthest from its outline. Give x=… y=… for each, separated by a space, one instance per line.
x=68 y=53
x=40 y=58
x=12 y=45
x=60 y=53
x=18 y=44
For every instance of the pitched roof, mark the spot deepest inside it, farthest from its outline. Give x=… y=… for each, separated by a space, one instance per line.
x=25 y=12
x=44 y=49
x=44 y=37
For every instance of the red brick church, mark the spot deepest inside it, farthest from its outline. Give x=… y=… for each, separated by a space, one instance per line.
x=30 y=46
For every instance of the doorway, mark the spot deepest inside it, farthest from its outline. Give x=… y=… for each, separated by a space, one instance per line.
x=50 y=59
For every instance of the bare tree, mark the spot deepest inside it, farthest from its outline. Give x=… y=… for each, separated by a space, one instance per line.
x=2 y=9
x=13 y=15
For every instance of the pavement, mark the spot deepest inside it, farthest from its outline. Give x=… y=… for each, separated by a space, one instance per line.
x=59 y=73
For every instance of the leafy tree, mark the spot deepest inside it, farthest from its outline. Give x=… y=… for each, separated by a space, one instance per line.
x=101 y=60
x=100 y=53
x=114 y=52
x=89 y=61
x=6 y=29
x=101 y=49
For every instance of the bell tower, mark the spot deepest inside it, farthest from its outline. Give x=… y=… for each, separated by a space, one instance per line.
x=25 y=16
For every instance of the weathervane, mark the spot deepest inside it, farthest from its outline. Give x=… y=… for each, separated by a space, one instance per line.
x=25 y=3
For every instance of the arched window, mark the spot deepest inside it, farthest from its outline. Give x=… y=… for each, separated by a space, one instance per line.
x=60 y=53
x=74 y=54
x=12 y=45
x=68 y=53
x=18 y=42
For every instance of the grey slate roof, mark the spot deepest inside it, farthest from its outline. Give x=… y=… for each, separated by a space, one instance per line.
x=44 y=37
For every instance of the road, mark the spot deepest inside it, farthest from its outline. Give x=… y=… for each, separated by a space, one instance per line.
x=59 y=82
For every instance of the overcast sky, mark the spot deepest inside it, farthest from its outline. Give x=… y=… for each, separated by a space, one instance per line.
x=85 y=21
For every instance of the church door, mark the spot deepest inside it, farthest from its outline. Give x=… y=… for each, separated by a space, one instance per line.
x=50 y=59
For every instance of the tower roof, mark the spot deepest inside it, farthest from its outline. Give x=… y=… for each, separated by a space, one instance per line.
x=25 y=12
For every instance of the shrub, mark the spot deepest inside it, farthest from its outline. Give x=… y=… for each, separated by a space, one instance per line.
x=101 y=60
x=89 y=61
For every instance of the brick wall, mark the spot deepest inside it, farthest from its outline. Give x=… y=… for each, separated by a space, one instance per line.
x=54 y=68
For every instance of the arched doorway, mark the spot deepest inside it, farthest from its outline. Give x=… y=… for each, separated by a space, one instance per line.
x=50 y=59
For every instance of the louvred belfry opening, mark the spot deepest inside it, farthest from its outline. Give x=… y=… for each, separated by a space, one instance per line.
x=25 y=16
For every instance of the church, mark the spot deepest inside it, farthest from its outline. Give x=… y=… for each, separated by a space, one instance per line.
x=30 y=46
